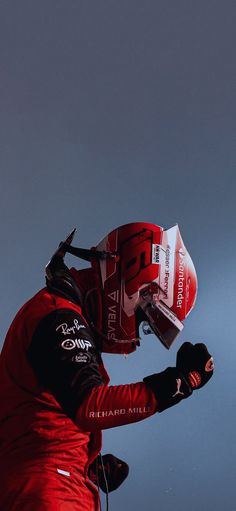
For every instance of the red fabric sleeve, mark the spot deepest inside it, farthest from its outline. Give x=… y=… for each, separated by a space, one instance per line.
x=110 y=406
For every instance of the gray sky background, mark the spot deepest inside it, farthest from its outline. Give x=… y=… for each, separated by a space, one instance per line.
x=111 y=112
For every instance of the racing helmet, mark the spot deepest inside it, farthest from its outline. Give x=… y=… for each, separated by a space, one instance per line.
x=143 y=274
x=151 y=279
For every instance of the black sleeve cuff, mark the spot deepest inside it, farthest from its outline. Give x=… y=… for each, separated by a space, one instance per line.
x=169 y=387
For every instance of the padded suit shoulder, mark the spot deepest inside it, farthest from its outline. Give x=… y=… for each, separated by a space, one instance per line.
x=65 y=358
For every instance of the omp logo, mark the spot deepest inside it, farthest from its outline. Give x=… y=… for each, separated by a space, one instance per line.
x=70 y=344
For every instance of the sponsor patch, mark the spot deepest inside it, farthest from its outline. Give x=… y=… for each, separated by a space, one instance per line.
x=155 y=253
x=120 y=411
x=65 y=329
x=81 y=358
x=70 y=344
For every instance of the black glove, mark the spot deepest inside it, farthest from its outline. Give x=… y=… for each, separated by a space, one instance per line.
x=195 y=363
x=115 y=469
x=169 y=387
x=194 y=367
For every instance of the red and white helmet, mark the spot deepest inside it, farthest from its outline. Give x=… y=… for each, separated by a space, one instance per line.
x=150 y=278
x=142 y=273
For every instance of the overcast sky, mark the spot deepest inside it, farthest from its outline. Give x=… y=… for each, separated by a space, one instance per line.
x=111 y=112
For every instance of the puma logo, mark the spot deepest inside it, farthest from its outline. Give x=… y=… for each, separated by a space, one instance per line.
x=178 y=391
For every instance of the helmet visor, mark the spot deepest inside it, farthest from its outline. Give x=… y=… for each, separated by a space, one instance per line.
x=161 y=320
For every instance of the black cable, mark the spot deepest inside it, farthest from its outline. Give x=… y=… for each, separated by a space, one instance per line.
x=98 y=487
x=105 y=479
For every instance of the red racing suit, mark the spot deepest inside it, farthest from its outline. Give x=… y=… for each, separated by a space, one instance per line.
x=54 y=402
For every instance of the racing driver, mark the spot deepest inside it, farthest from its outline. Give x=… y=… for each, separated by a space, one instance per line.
x=54 y=389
